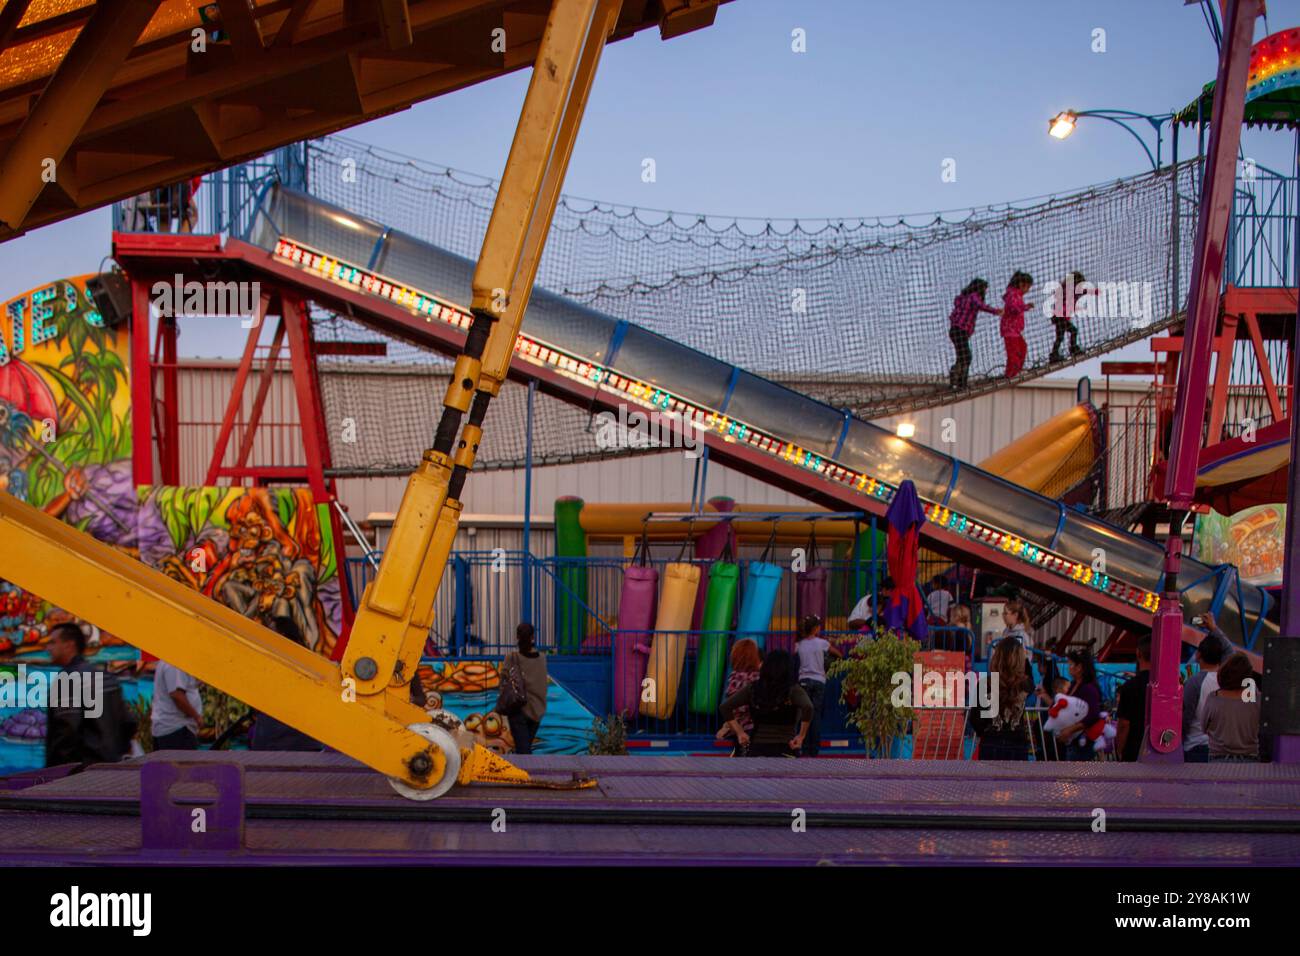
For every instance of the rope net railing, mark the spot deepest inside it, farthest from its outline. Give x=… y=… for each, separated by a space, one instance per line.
x=856 y=310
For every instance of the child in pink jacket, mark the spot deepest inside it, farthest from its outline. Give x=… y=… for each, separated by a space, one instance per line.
x=1013 y=321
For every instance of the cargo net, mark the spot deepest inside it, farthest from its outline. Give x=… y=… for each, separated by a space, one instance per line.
x=852 y=311
x=384 y=409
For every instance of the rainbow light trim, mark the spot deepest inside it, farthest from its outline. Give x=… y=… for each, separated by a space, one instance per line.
x=1274 y=63
x=648 y=395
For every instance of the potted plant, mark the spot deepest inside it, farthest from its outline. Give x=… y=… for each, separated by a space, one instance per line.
x=868 y=689
x=609 y=736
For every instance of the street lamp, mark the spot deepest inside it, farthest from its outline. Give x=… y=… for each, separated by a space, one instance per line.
x=1063 y=124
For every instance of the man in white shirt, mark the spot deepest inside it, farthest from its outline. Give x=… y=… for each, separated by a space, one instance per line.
x=1197 y=690
x=939 y=601
x=862 y=612
x=177 y=715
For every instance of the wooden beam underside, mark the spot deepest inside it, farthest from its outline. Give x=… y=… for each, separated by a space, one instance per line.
x=280 y=72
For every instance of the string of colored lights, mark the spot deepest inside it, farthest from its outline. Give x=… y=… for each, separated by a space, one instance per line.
x=649 y=395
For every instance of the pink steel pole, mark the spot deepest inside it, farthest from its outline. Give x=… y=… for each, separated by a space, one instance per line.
x=1163 y=741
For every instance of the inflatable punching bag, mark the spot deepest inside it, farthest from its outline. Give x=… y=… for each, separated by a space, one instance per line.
x=571 y=590
x=719 y=613
x=668 y=652
x=636 y=619
x=810 y=586
x=762 y=580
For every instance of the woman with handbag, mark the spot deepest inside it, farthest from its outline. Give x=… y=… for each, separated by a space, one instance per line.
x=779 y=707
x=522 y=697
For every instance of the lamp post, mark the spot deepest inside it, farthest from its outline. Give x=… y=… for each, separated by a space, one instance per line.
x=1063 y=123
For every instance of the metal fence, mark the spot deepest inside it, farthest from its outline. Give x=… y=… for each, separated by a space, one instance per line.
x=1262 y=234
x=220 y=203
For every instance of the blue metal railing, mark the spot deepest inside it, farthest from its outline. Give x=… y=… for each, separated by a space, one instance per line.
x=223 y=203
x=1262 y=232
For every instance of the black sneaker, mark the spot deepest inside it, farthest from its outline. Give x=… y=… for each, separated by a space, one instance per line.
x=1054 y=357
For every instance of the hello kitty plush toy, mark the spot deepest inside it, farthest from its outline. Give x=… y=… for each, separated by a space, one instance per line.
x=1066 y=711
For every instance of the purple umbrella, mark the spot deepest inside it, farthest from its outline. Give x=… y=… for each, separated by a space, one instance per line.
x=905 y=611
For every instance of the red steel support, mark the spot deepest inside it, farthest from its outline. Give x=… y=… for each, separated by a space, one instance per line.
x=264 y=382
x=169 y=446
x=296 y=321
x=236 y=394
x=1163 y=740
x=1265 y=370
x=1223 y=349
x=141 y=385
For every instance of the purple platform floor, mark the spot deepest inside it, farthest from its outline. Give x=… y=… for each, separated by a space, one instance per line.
x=326 y=808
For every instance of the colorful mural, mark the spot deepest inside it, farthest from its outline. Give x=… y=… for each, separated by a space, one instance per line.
x=264 y=553
x=1252 y=539
x=65 y=428
x=468 y=689
x=65 y=447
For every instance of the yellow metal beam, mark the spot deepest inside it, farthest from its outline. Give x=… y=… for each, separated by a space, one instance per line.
x=501 y=345
x=392 y=620
x=67 y=102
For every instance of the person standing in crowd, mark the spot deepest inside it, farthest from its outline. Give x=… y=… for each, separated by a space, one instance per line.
x=961 y=326
x=779 y=708
x=93 y=727
x=1017 y=623
x=271 y=733
x=1083 y=685
x=1013 y=321
x=177 y=717
x=863 y=614
x=963 y=638
x=1209 y=655
x=1005 y=736
x=1132 y=718
x=532 y=664
x=1230 y=716
x=811 y=649
x=939 y=601
x=745 y=663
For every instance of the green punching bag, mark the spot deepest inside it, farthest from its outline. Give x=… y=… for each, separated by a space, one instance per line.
x=718 y=618
x=571 y=589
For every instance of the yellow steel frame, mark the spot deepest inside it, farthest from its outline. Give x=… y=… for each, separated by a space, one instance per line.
x=360 y=706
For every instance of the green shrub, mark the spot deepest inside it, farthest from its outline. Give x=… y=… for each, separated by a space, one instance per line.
x=868 y=673
x=608 y=737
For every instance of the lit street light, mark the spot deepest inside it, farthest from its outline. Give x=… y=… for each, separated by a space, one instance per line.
x=1063 y=124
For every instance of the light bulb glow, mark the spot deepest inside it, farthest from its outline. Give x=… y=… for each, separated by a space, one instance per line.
x=1062 y=124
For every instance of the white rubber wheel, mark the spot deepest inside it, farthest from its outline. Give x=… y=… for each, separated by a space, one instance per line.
x=447 y=744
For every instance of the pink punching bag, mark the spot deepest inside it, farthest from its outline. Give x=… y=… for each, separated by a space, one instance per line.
x=810 y=586
x=709 y=547
x=636 y=621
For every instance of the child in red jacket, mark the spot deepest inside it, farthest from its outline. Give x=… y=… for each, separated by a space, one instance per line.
x=1013 y=320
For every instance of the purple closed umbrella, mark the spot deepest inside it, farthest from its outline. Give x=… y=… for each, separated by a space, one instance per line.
x=905 y=611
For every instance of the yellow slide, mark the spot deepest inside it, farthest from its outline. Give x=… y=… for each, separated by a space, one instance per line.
x=1051 y=458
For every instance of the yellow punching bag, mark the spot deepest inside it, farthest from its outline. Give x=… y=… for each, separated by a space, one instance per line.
x=668 y=651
